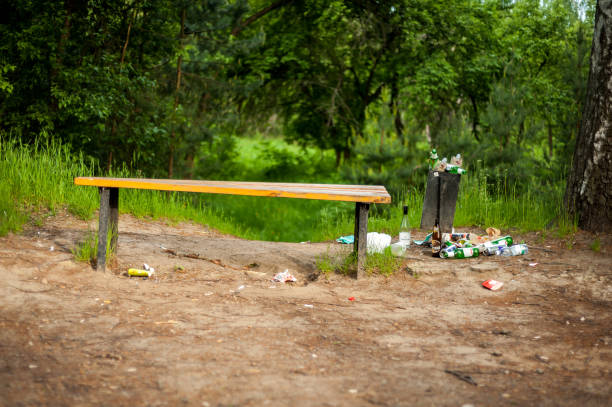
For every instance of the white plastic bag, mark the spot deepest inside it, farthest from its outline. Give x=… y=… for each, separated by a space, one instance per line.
x=377 y=242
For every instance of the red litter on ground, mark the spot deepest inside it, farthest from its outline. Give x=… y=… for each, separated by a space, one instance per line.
x=493 y=285
x=351 y=298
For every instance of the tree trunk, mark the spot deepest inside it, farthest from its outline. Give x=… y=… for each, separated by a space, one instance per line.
x=550 y=140
x=179 y=62
x=589 y=185
x=127 y=38
x=475 y=118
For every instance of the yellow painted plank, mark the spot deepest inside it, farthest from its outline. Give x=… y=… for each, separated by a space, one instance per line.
x=332 y=192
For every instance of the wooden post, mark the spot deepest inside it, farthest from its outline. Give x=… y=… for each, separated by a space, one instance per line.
x=103 y=227
x=114 y=219
x=360 y=245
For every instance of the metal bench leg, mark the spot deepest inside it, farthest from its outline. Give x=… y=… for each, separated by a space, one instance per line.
x=361 y=236
x=109 y=216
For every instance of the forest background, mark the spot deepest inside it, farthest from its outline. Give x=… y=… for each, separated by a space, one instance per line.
x=292 y=90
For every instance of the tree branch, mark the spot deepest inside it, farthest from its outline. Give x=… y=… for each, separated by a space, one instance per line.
x=246 y=22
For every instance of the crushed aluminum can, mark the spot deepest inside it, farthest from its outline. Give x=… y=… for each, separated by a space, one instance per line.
x=493 y=285
x=140 y=273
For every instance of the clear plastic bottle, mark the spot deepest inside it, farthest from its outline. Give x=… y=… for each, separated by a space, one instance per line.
x=490 y=248
x=404 y=232
x=515 y=250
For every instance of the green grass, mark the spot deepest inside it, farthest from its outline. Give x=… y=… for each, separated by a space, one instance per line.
x=596 y=245
x=87 y=250
x=336 y=261
x=39 y=179
x=531 y=210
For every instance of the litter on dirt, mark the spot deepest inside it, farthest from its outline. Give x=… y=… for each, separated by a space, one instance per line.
x=285 y=277
x=168 y=322
x=424 y=241
x=346 y=239
x=462 y=376
x=493 y=285
x=377 y=242
x=140 y=273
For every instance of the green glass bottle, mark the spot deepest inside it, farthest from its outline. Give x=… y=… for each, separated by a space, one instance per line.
x=508 y=240
x=433 y=159
x=460 y=253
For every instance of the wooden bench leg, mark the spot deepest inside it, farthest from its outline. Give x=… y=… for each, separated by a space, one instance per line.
x=361 y=236
x=114 y=219
x=109 y=216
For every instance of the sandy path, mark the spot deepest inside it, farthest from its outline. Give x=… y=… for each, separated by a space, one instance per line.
x=72 y=336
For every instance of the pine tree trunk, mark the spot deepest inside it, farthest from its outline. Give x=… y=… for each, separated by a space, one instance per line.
x=589 y=186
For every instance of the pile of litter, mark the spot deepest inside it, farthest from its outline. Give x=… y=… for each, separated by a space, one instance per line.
x=466 y=245
x=455 y=245
x=437 y=165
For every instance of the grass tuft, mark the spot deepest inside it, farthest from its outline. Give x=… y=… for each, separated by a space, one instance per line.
x=87 y=250
x=596 y=245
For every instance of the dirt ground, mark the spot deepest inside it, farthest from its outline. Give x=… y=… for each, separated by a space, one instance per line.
x=428 y=335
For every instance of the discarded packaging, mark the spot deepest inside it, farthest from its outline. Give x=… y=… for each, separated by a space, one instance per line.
x=454 y=237
x=515 y=250
x=140 y=273
x=493 y=285
x=493 y=250
x=457 y=160
x=424 y=242
x=377 y=242
x=351 y=298
x=493 y=232
x=440 y=166
x=284 y=277
x=346 y=239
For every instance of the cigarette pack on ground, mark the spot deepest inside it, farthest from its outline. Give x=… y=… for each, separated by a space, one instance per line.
x=493 y=285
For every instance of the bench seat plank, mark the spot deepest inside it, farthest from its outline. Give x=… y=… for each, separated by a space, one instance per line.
x=330 y=192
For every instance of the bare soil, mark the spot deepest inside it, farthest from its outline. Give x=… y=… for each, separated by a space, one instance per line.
x=428 y=335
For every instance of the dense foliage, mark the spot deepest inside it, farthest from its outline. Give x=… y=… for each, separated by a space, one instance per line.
x=166 y=86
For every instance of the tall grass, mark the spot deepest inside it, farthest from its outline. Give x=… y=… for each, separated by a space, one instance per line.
x=40 y=178
x=505 y=207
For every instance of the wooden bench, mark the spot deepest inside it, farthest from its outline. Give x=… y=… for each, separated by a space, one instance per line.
x=362 y=195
